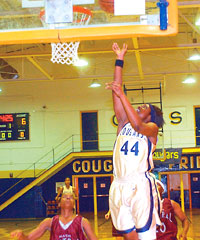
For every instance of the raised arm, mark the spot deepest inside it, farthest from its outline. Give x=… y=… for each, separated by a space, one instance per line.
x=182 y=217
x=35 y=234
x=118 y=107
x=148 y=129
x=60 y=190
x=74 y=192
x=88 y=230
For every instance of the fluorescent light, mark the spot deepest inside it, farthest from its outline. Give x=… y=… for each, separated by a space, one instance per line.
x=189 y=79
x=95 y=84
x=195 y=56
x=0 y=90
x=80 y=63
x=197 y=23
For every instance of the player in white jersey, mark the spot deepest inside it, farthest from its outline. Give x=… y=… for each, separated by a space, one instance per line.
x=67 y=188
x=133 y=197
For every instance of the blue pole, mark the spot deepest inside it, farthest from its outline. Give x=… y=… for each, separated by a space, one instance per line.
x=163 y=4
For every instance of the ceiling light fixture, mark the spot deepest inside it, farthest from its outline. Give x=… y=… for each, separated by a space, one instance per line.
x=95 y=83
x=80 y=63
x=195 y=56
x=197 y=22
x=189 y=79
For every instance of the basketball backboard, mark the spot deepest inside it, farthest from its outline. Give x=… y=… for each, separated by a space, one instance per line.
x=33 y=21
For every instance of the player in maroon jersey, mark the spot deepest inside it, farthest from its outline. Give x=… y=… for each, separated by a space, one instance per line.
x=66 y=226
x=171 y=209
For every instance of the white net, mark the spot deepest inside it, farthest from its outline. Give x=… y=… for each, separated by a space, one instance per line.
x=65 y=53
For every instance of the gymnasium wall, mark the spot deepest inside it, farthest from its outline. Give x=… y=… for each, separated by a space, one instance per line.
x=34 y=200
x=55 y=107
x=180 y=97
x=30 y=205
x=54 y=116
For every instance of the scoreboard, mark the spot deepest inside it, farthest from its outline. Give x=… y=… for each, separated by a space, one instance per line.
x=14 y=126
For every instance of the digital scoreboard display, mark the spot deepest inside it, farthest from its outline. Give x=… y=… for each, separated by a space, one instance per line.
x=14 y=126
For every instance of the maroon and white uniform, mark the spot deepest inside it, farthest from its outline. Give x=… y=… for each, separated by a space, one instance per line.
x=168 y=229
x=70 y=231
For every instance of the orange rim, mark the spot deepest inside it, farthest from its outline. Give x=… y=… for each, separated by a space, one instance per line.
x=82 y=10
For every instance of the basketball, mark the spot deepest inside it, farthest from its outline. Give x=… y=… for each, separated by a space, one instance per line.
x=107 y=5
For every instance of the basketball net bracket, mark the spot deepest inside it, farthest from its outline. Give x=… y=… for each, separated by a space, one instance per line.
x=67 y=52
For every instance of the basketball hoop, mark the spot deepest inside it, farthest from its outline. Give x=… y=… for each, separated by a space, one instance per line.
x=67 y=53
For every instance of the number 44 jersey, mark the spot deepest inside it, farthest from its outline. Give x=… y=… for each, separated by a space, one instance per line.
x=132 y=153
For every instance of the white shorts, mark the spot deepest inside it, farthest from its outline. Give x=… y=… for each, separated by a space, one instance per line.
x=135 y=205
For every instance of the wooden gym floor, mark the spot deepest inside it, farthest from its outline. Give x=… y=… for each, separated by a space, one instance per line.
x=103 y=227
